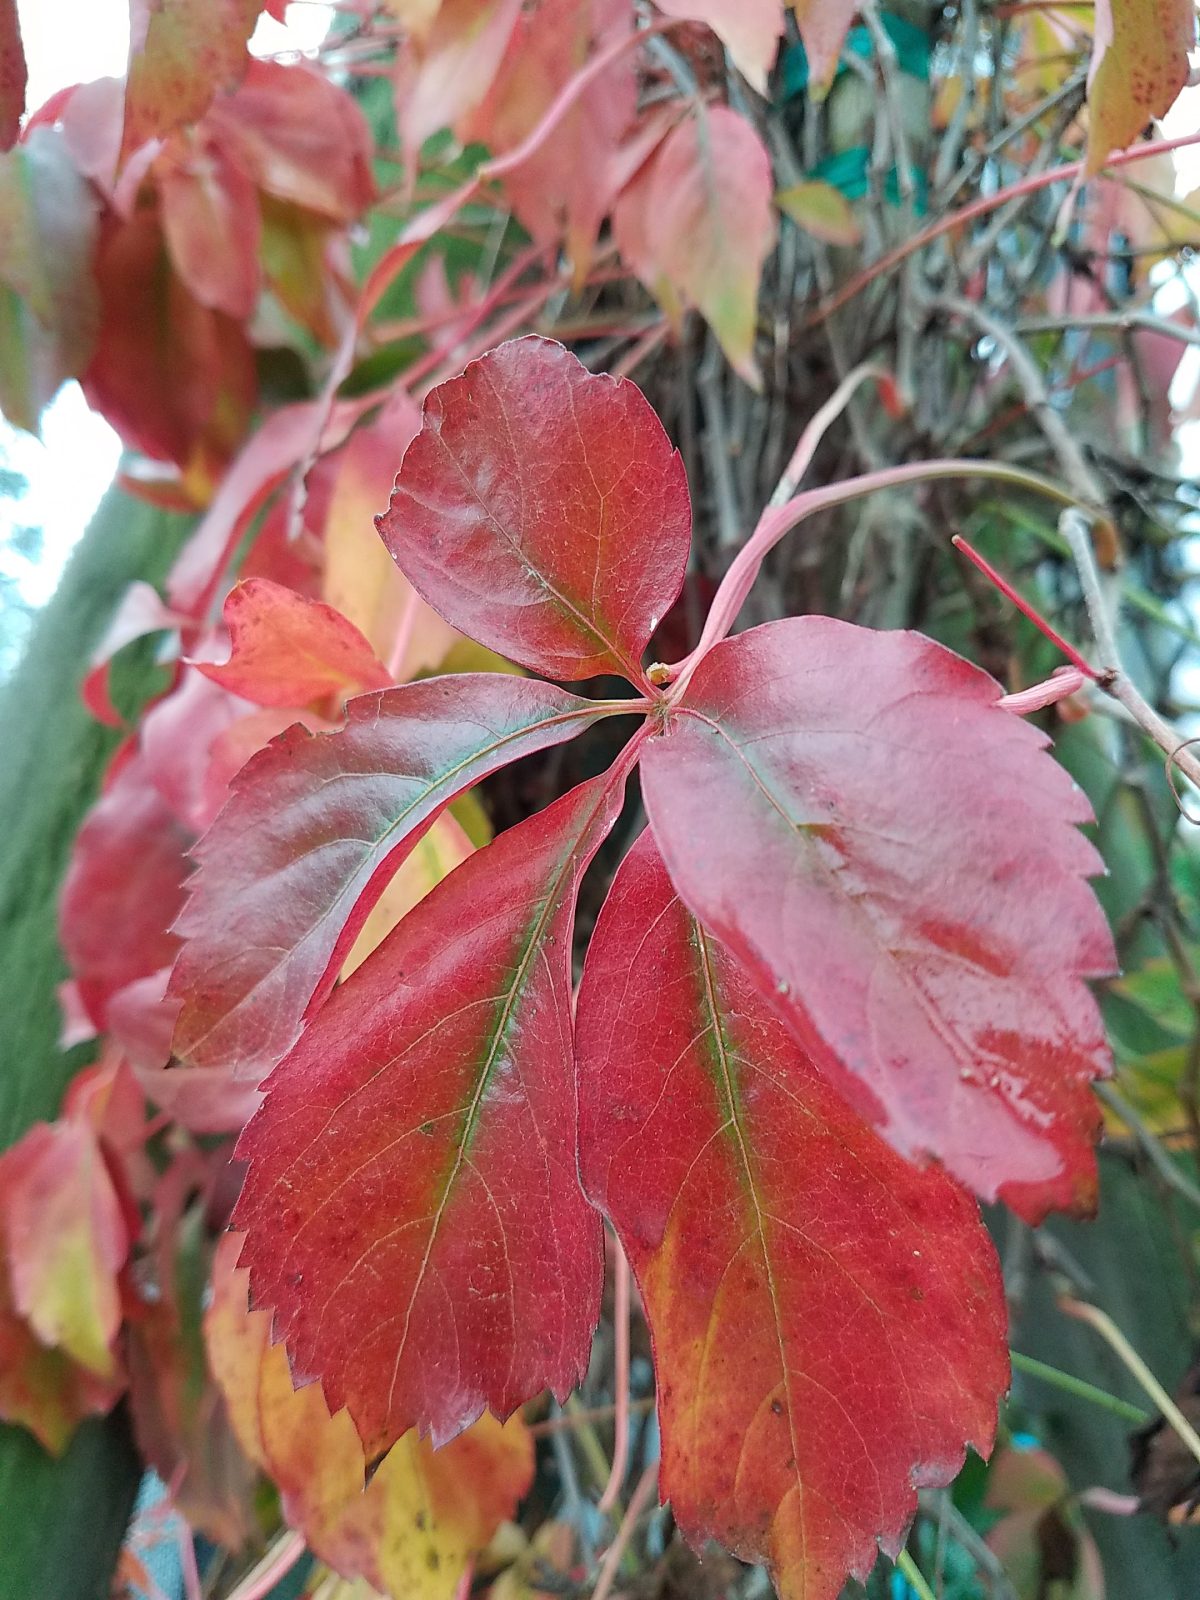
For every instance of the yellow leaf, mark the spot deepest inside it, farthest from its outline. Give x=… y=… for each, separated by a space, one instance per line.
x=821 y=210
x=425 y=1513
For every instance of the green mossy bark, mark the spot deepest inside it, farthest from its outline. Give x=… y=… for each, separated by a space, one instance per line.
x=61 y=1521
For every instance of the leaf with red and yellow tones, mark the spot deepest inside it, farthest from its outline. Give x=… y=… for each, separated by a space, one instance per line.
x=313 y=829
x=65 y=1238
x=823 y=26
x=562 y=192
x=444 y=72
x=180 y=54
x=828 y=1321
x=894 y=859
x=412 y=1203
x=212 y=222
x=696 y=225
x=425 y=1512
x=528 y=507
x=289 y=651
x=13 y=74
x=1139 y=65
x=123 y=889
x=43 y=1389
x=749 y=29
x=300 y=137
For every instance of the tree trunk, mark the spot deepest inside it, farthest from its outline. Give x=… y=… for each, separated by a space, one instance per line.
x=63 y=1520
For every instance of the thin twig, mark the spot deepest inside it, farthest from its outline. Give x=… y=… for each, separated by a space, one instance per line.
x=642 y=1495
x=1117 y=1342
x=620 y=1456
x=1073 y=526
x=1114 y=321
x=276 y=1564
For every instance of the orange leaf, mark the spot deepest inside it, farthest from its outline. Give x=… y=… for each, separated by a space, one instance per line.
x=425 y=1512
x=42 y=1389
x=1139 y=65
x=289 y=651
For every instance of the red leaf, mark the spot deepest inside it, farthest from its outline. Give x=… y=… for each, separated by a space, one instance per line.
x=542 y=510
x=1139 y=65
x=333 y=817
x=696 y=225
x=414 y=1212
x=212 y=223
x=828 y=1321
x=174 y=378
x=178 y=736
x=13 y=75
x=261 y=466
x=180 y=54
x=123 y=889
x=301 y=137
x=289 y=651
x=893 y=858
x=749 y=30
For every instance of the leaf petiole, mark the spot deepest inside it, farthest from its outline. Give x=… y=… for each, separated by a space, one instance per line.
x=1080 y=1387
x=913 y=1576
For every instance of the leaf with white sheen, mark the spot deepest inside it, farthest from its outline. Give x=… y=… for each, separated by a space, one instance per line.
x=313 y=829
x=412 y=1204
x=895 y=859
x=828 y=1321
x=542 y=510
